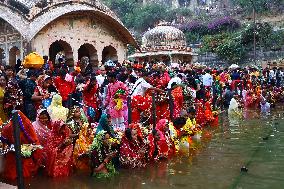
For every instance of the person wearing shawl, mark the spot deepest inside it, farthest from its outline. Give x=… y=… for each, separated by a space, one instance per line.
x=3 y=83
x=13 y=97
x=56 y=110
x=42 y=126
x=116 y=101
x=82 y=146
x=105 y=125
x=103 y=153
x=42 y=96
x=27 y=136
x=132 y=149
x=177 y=94
x=76 y=119
x=28 y=86
x=59 y=151
x=165 y=144
x=90 y=98
x=64 y=87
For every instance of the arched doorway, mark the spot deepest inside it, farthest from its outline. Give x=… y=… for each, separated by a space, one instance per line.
x=14 y=55
x=61 y=49
x=2 y=56
x=109 y=53
x=87 y=53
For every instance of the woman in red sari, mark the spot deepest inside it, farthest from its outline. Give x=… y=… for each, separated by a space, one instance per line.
x=177 y=95
x=132 y=149
x=90 y=98
x=165 y=144
x=59 y=150
x=27 y=136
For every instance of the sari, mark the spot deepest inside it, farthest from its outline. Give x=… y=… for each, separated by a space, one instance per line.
x=166 y=146
x=101 y=163
x=27 y=136
x=177 y=94
x=59 y=162
x=129 y=152
x=81 y=149
x=42 y=131
x=104 y=126
x=3 y=115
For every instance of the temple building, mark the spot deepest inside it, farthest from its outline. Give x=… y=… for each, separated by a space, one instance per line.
x=166 y=44
x=76 y=29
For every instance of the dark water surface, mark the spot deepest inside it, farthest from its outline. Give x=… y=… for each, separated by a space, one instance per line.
x=214 y=162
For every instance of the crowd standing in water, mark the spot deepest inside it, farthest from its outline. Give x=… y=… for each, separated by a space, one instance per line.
x=78 y=120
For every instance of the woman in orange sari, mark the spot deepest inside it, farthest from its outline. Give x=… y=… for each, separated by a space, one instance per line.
x=80 y=155
x=27 y=136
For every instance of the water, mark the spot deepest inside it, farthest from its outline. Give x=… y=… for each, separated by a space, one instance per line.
x=214 y=162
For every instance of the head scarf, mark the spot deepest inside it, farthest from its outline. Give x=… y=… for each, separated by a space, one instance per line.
x=56 y=110
x=104 y=126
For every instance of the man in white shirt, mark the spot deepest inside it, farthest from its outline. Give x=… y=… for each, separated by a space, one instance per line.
x=100 y=78
x=141 y=86
x=177 y=79
x=207 y=79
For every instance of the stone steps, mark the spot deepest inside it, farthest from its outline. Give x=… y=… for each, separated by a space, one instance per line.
x=6 y=186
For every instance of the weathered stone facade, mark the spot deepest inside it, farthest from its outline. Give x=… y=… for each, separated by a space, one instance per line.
x=78 y=28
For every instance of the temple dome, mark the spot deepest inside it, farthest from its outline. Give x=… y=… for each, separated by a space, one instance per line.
x=164 y=35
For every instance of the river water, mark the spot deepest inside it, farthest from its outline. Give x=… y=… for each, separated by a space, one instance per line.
x=214 y=162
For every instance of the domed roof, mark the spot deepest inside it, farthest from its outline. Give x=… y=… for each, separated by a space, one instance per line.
x=164 y=35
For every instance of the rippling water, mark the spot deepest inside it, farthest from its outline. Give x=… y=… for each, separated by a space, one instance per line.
x=214 y=162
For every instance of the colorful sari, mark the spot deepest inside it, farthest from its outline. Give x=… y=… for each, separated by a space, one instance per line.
x=59 y=151
x=177 y=94
x=27 y=136
x=82 y=147
x=129 y=153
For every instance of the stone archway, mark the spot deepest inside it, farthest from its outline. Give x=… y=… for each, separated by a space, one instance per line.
x=61 y=49
x=1 y=55
x=88 y=51
x=14 y=55
x=109 y=53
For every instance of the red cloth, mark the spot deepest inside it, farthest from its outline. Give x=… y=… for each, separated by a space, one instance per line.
x=200 y=117
x=59 y=161
x=90 y=96
x=64 y=87
x=30 y=165
x=177 y=95
x=129 y=153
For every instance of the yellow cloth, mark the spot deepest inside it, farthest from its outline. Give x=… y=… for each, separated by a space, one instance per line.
x=81 y=147
x=33 y=60
x=3 y=115
x=119 y=103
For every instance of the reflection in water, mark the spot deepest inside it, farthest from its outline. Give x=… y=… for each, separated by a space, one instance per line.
x=256 y=142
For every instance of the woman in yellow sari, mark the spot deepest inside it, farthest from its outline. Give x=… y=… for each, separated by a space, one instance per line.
x=81 y=149
x=3 y=82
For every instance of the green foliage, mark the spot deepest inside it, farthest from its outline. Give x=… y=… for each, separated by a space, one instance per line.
x=192 y=37
x=227 y=46
x=231 y=50
x=141 y=17
x=261 y=6
x=262 y=30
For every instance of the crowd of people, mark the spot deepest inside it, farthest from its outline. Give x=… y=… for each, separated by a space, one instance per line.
x=102 y=120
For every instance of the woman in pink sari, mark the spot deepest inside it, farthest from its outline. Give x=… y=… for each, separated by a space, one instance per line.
x=42 y=126
x=59 y=150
